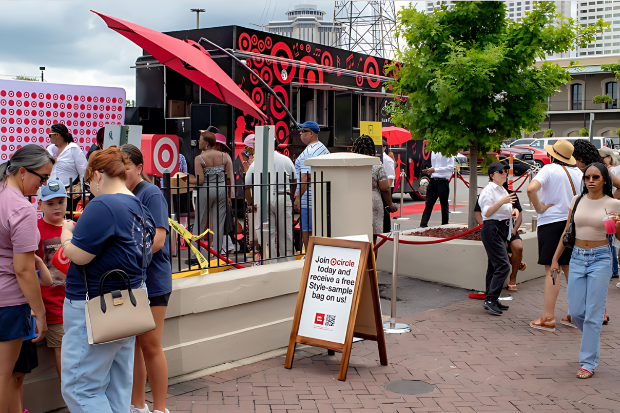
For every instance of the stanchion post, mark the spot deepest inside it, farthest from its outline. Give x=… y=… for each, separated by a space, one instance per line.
x=266 y=240
x=393 y=327
x=454 y=211
x=403 y=176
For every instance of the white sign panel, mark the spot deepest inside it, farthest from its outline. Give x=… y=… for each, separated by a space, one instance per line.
x=329 y=293
x=28 y=109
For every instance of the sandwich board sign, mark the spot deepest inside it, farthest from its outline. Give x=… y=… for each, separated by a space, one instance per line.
x=338 y=300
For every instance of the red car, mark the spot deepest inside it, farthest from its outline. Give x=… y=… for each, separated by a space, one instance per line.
x=540 y=157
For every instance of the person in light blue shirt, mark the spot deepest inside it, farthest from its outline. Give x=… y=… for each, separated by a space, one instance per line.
x=303 y=201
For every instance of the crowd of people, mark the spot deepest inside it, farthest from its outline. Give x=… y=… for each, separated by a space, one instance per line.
x=578 y=232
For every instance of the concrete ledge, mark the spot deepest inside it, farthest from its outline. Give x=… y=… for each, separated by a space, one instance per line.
x=211 y=320
x=458 y=262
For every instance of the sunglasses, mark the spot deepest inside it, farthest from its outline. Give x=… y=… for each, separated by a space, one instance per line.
x=502 y=172
x=305 y=130
x=43 y=178
x=587 y=178
x=52 y=134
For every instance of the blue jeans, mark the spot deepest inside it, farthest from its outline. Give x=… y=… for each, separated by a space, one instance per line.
x=306 y=218
x=95 y=378
x=614 y=262
x=586 y=293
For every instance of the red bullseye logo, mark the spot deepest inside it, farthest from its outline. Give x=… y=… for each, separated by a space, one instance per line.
x=281 y=50
x=165 y=155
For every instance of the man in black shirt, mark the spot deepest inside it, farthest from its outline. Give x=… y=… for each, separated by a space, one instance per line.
x=515 y=246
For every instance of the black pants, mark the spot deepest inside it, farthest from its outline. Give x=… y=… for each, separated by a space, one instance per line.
x=436 y=189
x=494 y=236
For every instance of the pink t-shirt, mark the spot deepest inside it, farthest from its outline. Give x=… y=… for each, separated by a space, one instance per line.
x=18 y=233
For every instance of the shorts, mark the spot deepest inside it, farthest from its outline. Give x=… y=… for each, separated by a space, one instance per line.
x=159 y=300
x=14 y=322
x=28 y=359
x=54 y=335
x=549 y=236
x=306 y=219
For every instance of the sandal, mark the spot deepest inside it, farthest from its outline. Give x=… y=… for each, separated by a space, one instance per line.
x=584 y=373
x=543 y=325
x=567 y=321
x=606 y=321
x=512 y=287
x=522 y=266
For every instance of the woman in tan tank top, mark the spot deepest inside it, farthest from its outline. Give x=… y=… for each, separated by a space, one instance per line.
x=590 y=264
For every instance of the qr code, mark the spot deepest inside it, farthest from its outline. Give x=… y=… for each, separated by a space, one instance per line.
x=330 y=320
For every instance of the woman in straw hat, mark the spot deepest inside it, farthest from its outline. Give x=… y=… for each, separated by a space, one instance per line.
x=559 y=182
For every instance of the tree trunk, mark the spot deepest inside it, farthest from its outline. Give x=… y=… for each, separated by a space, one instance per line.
x=473 y=186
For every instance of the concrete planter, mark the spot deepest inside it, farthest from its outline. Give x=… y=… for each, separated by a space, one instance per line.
x=458 y=262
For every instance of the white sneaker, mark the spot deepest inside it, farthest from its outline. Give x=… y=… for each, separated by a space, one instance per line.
x=159 y=411
x=134 y=409
x=618 y=285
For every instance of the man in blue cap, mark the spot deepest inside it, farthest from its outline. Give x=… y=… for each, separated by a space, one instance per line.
x=303 y=202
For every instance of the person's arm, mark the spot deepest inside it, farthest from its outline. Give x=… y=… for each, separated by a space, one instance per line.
x=80 y=162
x=560 y=249
x=26 y=274
x=45 y=278
x=448 y=168
x=518 y=222
x=293 y=188
x=478 y=216
x=199 y=179
x=230 y=176
x=75 y=254
x=384 y=187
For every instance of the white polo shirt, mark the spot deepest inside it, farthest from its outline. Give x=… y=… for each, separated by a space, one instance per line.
x=283 y=168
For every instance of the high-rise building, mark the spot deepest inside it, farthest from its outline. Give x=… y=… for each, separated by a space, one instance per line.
x=589 y=12
x=305 y=22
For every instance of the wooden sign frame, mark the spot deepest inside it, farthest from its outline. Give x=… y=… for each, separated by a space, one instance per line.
x=365 y=321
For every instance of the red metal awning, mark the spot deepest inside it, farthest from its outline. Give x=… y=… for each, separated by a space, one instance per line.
x=189 y=59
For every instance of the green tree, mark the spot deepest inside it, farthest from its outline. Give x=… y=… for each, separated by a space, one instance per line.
x=470 y=77
x=28 y=78
x=548 y=133
x=583 y=132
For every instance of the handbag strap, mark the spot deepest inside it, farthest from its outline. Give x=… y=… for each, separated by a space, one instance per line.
x=570 y=180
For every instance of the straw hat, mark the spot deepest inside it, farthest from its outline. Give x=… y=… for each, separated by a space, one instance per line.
x=562 y=150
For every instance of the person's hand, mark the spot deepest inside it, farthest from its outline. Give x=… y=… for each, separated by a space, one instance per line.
x=544 y=207
x=555 y=266
x=296 y=204
x=41 y=328
x=429 y=170
x=509 y=199
x=393 y=208
x=513 y=232
x=515 y=213
x=69 y=225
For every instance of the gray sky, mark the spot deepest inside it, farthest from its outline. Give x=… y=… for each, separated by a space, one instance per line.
x=76 y=47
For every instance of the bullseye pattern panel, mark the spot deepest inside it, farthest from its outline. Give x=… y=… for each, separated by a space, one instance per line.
x=29 y=109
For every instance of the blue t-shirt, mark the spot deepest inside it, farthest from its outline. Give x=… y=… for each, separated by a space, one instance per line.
x=159 y=271
x=110 y=228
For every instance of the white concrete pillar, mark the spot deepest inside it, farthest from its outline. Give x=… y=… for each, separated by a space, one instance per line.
x=350 y=175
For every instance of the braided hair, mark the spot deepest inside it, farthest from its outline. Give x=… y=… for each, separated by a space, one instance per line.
x=586 y=152
x=364 y=145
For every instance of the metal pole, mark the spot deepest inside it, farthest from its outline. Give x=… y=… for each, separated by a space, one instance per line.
x=403 y=176
x=266 y=246
x=454 y=211
x=393 y=327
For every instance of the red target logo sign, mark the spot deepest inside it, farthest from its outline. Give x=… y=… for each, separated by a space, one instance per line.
x=161 y=153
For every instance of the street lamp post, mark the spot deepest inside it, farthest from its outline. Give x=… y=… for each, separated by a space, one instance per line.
x=198 y=11
x=42 y=68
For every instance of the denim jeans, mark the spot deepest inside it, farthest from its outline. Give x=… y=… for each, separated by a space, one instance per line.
x=586 y=293
x=95 y=378
x=614 y=262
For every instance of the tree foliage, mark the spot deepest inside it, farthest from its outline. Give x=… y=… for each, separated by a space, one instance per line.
x=548 y=133
x=469 y=74
x=28 y=78
x=583 y=132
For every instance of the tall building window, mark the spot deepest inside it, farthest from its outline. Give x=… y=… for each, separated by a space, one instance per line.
x=611 y=90
x=577 y=96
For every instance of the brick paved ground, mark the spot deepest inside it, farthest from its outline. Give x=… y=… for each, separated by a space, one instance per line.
x=477 y=362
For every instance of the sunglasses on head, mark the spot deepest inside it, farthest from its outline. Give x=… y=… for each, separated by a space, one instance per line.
x=587 y=178
x=43 y=178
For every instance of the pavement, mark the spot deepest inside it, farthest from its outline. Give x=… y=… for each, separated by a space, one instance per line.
x=476 y=361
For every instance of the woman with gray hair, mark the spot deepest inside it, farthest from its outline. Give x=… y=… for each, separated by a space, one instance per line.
x=22 y=175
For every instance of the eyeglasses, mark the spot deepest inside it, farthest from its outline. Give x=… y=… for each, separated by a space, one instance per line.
x=587 y=178
x=502 y=172
x=43 y=178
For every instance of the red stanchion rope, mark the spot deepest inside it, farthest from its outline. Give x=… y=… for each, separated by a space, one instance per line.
x=522 y=183
x=435 y=241
x=204 y=245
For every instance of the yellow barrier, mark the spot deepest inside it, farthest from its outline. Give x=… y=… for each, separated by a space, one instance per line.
x=189 y=237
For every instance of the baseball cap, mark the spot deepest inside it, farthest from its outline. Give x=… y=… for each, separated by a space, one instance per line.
x=313 y=126
x=53 y=189
x=497 y=166
x=249 y=141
